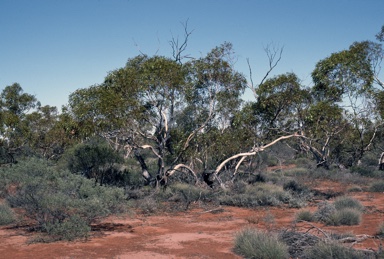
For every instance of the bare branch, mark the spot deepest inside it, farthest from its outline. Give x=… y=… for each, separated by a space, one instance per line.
x=176 y=168
x=177 y=48
x=274 y=55
x=251 y=153
x=152 y=149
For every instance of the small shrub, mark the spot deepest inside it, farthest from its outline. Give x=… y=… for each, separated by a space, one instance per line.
x=261 y=194
x=304 y=215
x=377 y=187
x=148 y=205
x=189 y=193
x=347 y=202
x=332 y=250
x=252 y=243
x=6 y=215
x=355 y=188
x=324 y=212
x=363 y=170
x=294 y=186
x=73 y=228
x=347 y=216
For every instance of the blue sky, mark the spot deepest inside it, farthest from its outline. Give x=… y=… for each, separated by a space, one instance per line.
x=53 y=47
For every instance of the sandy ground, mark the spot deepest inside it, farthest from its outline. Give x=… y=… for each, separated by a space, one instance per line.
x=197 y=233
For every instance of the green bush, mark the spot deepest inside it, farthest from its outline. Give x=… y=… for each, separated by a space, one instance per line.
x=261 y=194
x=294 y=186
x=189 y=193
x=324 y=212
x=332 y=250
x=6 y=215
x=344 y=211
x=377 y=187
x=72 y=228
x=94 y=159
x=304 y=215
x=346 y=216
x=347 y=202
x=55 y=198
x=355 y=188
x=252 y=243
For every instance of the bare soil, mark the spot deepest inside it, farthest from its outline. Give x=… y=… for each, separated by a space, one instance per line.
x=197 y=233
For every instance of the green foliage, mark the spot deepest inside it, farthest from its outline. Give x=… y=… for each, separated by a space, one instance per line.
x=377 y=186
x=324 y=212
x=347 y=202
x=344 y=211
x=7 y=216
x=253 y=243
x=345 y=216
x=56 y=199
x=332 y=250
x=93 y=159
x=261 y=194
x=190 y=193
x=74 y=227
x=304 y=215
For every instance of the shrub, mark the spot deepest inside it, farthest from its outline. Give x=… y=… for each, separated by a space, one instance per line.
x=56 y=198
x=347 y=202
x=377 y=187
x=324 y=212
x=6 y=215
x=72 y=228
x=355 y=188
x=261 y=194
x=363 y=170
x=252 y=243
x=94 y=159
x=189 y=193
x=332 y=250
x=346 y=216
x=294 y=186
x=304 y=215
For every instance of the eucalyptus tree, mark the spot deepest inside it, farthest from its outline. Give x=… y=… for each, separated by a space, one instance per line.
x=15 y=104
x=155 y=107
x=344 y=86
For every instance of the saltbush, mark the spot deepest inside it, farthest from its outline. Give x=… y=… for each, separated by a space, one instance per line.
x=6 y=215
x=56 y=199
x=345 y=216
x=304 y=215
x=332 y=250
x=377 y=186
x=261 y=194
x=347 y=202
x=253 y=243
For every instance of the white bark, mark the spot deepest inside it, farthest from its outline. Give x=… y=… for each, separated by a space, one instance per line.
x=177 y=167
x=251 y=153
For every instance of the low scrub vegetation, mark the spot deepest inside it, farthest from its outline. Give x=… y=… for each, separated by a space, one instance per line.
x=333 y=250
x=61 y=204
x=253 y=243
x=344 y=211
x=6 y=215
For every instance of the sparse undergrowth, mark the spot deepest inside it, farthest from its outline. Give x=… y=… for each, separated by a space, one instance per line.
x=344 y=211
x=253 y=243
